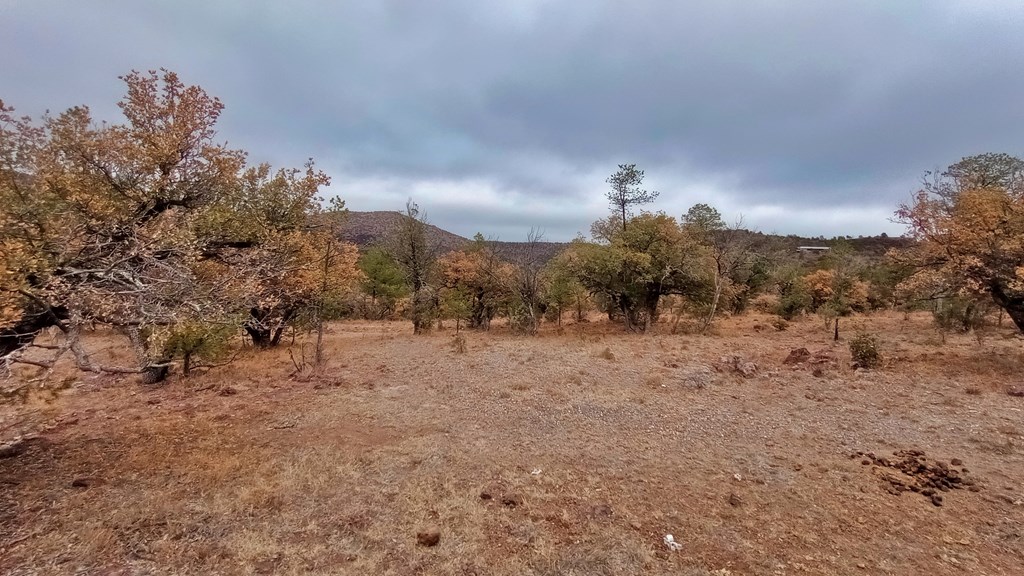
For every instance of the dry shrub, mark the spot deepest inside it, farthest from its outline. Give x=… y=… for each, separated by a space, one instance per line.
x=459 y=344
x=998 y=364
x=780 y=324
x=654 y=380
x=606 y=354
x=766 y=303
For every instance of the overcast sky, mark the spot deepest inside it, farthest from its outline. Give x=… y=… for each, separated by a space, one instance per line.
x=809 y=117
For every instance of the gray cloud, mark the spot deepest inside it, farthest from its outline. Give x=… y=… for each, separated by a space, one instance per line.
x=807 y=116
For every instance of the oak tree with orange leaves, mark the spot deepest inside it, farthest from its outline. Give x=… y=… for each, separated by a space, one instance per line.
x=968 y=224
x=148 y=226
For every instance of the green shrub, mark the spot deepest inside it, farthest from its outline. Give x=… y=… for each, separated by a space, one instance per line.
x=864 y=349
x=793 y=304
x=191 y=340
x=960 y=314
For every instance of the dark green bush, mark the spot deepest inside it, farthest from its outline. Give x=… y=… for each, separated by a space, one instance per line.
x=864 y=348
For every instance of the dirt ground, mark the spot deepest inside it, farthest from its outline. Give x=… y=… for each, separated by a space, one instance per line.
x=574 y=452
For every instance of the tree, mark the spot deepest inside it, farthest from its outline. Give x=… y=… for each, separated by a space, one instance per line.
x=836 y=292
x=332 y=277
x=563 y=291
x=149 y=227
x=989 y=170
x=650 y=259
x=480 y=276
x=261 y=232
x=527 y=283
x=98 y=222
x=970 y=242
x=383 y=281
x=626 y=191
x=412 y=249
x=727 y=254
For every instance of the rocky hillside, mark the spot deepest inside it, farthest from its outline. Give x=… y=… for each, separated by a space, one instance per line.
x=372 y=228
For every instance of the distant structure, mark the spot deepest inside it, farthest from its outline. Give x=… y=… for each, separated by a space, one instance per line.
x=812 y=249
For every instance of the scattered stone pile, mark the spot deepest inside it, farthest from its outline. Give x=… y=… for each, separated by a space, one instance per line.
x=802 y=356
x=738 y=365
x=912 y=471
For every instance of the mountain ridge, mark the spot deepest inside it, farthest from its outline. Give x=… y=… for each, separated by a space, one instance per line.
x=366 y=229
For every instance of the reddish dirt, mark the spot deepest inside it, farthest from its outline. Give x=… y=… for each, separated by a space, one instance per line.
x=541 y=455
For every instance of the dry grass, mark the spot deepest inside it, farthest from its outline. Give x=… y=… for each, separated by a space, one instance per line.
x=586 y=463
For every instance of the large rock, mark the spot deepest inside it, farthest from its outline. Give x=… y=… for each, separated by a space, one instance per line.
x=797 y=356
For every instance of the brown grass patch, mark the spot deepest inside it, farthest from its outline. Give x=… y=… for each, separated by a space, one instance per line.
x=590 y=462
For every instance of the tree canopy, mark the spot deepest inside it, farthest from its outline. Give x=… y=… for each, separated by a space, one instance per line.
x=148 y=226
x=970 y=241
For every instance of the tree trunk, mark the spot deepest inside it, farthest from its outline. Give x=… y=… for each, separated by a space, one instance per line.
x=836 y=337
x=150 y=374
x=651 y=309
x=1014 y=306
x=1016 y=313
x=626 y=316
x=648 y=308
x=422 y=305
x=318 y=358
x=714 y=305
x=155 y=374
x=258 y=329
x=24 y=332
x=261 y=337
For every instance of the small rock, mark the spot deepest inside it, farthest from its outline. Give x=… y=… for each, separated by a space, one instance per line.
x=428 y=537
x=153 y=401
x=735 y=501
x=956 y=462
x=486 y=495
x=228 y=391
x=511 y=500
x=12 y=449
x=85 y=482
x=817 y=372
x=1017 y=391
x=635 y=525
x=670 y=541
x=601 y=511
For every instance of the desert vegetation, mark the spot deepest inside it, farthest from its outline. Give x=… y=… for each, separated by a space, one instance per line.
x=201 y=373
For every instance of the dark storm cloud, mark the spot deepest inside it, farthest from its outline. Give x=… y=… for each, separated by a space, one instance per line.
x=803 y=115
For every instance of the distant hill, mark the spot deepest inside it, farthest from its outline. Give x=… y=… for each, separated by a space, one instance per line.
x=371 y=228
x=867 y=246
x=366 y=229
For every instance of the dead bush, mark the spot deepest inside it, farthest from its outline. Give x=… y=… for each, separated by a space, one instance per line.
x=459 y=344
